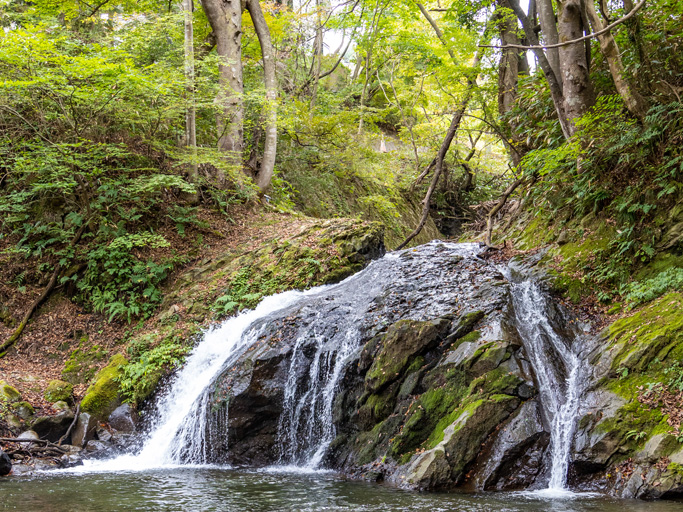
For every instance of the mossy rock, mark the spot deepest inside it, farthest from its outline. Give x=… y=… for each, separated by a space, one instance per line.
x=58 y=390
x=403 y=341
x=102 y=397
x=9 y=393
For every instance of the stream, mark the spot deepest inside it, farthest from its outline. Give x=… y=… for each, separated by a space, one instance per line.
x=180 y=463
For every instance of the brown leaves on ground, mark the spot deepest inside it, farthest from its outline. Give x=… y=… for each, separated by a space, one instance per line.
x=60 y=326
x=668 y=401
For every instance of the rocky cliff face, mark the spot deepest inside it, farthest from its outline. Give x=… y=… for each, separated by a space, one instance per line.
x=416 y=373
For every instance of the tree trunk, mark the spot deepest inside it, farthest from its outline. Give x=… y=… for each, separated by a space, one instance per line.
x=190 y=114
x=225 y=18
x=546 y=17
x=634 y=101
x=509 y=70
x=576 y=86
x=553 y=79
x=265 y=173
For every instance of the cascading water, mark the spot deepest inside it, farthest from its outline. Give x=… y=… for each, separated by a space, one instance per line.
x=558 y=371
x=189 y=423
x=324 y=331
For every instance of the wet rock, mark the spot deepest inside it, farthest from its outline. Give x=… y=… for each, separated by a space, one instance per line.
x=103 y=434
x=53 y=428
x=84 y=430
x=96 y=447
x=5 y=464
x=124 y=418
x=516 y=457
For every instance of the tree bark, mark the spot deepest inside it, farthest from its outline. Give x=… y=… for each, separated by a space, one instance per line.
x=635 y=103
x=553 y=80
x=576 y=85
x=225 y=18
x=546 y=17
x=190 y=114
x=265 y=173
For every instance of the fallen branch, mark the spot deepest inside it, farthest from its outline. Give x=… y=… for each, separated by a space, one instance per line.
x=496 y=209
x=46 y=292
x=73 y=423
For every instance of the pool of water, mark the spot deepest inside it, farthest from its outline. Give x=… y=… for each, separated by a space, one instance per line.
x=208 y=489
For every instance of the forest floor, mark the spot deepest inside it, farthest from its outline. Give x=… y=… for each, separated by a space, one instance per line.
x=60 y=326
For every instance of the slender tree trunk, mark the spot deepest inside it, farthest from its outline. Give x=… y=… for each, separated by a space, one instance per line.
x=553 y=79
x=509 y=69
x=634 y=101
x=576 y=85
x=190 y=114
x=265 y=173
x=445 y=145
x=546 y=17
x=225 y=18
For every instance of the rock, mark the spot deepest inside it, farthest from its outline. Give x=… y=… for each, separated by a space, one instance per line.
x=29 y=434
x=53 y=428
x=5 y=464
x=61 y=406
x=59 y=391
x=102 y=397
x=516 y=457
x=403 y=341
x=84 y=430
x=124 y=418
x=9 y=393
x=103 y=434
x=23 y=410
x=95 y=446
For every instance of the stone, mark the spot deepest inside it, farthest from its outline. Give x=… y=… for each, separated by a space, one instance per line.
x=124 y=418
x=53 y=428
x=103 y=434
x=59 y=391
x=61 y=406
x=102 y=397
x=95 y=446
x=84 y=430
x=5 y=464
x=29 y=434
x=9 y=393
x=23 y=410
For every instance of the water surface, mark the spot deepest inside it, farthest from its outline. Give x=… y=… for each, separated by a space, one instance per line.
x=213 y=489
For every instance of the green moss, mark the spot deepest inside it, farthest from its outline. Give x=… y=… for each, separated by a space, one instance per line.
x=102 y=398
x=58 y=390
x=9 y=393
x=403 y=341
x=675 y=468
x=472 y=337
x=82 y=364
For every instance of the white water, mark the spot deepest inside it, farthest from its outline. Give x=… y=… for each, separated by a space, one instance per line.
x=558 y=370
x=178 y=435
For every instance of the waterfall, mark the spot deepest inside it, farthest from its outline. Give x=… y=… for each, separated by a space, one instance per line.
x=558 y=372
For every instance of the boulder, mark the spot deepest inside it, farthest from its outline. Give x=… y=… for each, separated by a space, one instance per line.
x=53 y=428
x=124 y=418
x=5 y=464
x=9 y=393
x=23 y=410
x=84 y=430
x=59 y=391
x=29 y=434
x=102 y=397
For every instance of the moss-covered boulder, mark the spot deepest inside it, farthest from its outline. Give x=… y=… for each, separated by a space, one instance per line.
x=403 y=341
x=59 y=391
x=102 y=397
x=9 y=393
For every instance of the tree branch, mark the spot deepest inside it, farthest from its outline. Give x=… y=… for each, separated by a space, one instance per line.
x=573 y=41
